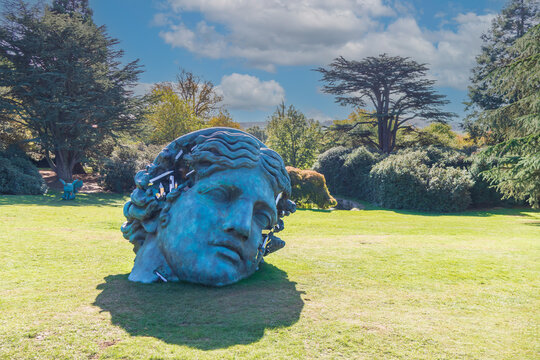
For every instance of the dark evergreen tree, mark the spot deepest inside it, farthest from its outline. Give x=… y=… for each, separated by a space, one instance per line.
x=396 y=87
x=517 y=171
x=72 y=7
x=511 y=24
x=63 y=79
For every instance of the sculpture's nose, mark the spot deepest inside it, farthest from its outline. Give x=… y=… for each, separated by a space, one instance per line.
x=239 y=219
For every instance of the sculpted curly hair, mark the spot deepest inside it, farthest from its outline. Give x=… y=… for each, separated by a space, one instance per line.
x=192 y=157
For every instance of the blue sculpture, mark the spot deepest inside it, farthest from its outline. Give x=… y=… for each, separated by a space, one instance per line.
x=207 y=208
x=70 y=189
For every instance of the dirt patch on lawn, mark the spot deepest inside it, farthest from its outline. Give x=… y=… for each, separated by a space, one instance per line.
x=90 y=182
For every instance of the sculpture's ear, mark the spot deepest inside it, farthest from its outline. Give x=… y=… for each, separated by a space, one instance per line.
x=164 y=219
x=63 y=182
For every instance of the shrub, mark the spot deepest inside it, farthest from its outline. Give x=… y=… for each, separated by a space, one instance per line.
x=330 y=164
x=18 y=176
x=407 y=181
x=118 y=171
x=442 y=156
x=448 y=189
x=482 y=194
x=309 y=188
x=398 y=180
x=355 y=172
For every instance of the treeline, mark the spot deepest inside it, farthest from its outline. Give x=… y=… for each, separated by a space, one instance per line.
x=65 y=97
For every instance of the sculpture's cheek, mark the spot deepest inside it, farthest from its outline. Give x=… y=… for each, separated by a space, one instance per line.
x=188 y=244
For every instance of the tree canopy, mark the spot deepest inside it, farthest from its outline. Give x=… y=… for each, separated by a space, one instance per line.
x=396 y=88
x=199 y=94
x=223 y=119
x=169 y=117
x=293 y=136
x=64 y=80
x=511 y=24
x=517 y=173
x=259 y=132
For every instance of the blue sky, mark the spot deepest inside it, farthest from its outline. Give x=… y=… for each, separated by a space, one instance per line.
x=260 y=52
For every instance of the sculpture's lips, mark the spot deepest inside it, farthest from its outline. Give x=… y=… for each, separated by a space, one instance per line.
x=229 y=250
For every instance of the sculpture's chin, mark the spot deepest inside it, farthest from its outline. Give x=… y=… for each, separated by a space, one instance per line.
x=207 y=265
x=221 y=275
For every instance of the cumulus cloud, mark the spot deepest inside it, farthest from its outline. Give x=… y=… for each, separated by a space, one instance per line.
x=246 y=92
x=313 y=32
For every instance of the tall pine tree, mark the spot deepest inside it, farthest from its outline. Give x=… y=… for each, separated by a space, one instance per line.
x=517 y=172
x=63 y=78
x=511 y=24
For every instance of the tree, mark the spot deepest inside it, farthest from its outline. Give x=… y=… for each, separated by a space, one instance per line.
x=355 y=131
x=199 y=94
x=169 y=117
x=72 y=7
x=513 y=22
x=258 y=132
x=223 y=119
x=63 y=80
x=293 y=136
x=517 y=173
x=396 y=87
x=437 y=134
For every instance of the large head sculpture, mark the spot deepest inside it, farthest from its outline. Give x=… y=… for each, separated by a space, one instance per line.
x=206 y=209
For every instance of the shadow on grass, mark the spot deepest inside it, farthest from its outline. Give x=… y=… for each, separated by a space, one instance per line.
x=54 y=198
x=203 y=317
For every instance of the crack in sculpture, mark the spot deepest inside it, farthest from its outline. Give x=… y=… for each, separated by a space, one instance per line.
x=225 y=188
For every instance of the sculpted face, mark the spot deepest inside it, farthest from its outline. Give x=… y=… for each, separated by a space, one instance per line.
x=214 y=229
x=198 y=211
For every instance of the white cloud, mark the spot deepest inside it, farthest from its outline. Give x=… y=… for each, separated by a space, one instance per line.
x=246 y=92
x=313 y=32
x=141 y=88
x=320 y=116
x=160 y=19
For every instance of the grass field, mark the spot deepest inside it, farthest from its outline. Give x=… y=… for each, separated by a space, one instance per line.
x=373 y=284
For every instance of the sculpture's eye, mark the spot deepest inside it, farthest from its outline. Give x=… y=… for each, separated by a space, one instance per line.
x=218 y=194
x=263 y=218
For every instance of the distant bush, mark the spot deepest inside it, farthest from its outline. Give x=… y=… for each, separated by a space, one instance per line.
x=354 y=176
x=117 y=172
x=431 y=178
x=309 y=188
x=399 y=180
x=18 y=176
x=410 y=180
x=448 y=189
x=330 y=164
x=447 y=157
x=442 y=156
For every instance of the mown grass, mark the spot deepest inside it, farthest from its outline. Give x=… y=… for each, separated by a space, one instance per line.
x=372 y=284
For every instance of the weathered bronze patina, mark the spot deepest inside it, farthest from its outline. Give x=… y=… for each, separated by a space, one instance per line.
x=207 y=208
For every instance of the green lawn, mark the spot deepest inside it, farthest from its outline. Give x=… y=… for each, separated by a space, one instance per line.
x=373 y=284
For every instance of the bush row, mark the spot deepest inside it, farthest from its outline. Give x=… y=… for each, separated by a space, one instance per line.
x=428 y=179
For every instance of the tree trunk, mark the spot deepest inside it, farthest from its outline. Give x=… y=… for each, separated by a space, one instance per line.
x=64 y=171
x=64 y=162
x=387 y=142
x=385 y=137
